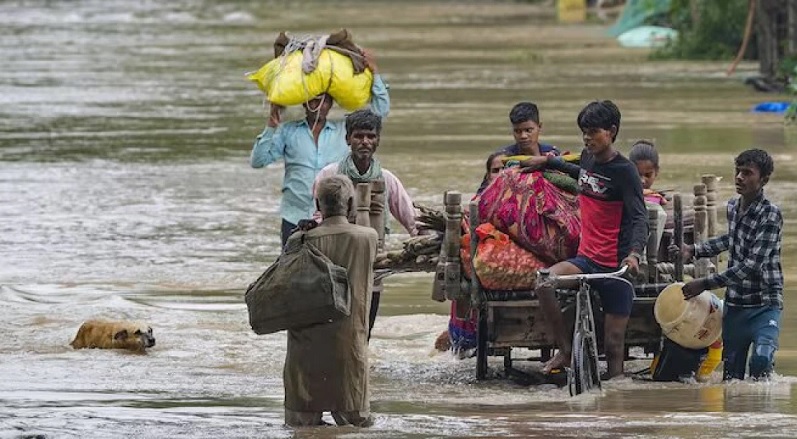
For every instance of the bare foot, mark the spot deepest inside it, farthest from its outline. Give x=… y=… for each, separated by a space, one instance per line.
x=560 y=360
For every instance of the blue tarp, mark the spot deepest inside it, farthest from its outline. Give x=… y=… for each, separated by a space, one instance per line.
x=771 y=107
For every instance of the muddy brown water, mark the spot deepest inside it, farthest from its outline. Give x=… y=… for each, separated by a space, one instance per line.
x=125 y=192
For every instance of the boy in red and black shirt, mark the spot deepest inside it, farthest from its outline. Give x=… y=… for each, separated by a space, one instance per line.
x=614 y=230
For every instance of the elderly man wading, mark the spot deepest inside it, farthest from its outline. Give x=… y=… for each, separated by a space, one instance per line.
x=326 y=367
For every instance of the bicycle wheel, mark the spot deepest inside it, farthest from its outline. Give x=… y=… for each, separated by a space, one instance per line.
x=584 y=375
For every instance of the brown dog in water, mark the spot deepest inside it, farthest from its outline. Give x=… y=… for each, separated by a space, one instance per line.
x=113 y=335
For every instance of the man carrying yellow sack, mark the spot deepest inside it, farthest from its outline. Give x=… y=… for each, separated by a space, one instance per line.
x=307 y=146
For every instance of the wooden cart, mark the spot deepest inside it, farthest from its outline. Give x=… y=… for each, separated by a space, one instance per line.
x=514 y=319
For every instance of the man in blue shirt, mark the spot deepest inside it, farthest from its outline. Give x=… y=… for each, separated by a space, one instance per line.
x=307 y=146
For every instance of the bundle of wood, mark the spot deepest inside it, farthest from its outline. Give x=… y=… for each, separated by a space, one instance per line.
x=419 y=253
x=430 y=218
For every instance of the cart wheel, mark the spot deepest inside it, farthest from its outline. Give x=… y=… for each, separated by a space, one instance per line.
x=584 y=375
x=481 y=346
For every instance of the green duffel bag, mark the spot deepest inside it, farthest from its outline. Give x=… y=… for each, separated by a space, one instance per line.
x=300 y=289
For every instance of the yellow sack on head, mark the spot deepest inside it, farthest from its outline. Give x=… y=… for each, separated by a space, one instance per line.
x=351 y=91
x=284 y=83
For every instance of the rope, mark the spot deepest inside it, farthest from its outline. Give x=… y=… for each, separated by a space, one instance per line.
x=295 y=44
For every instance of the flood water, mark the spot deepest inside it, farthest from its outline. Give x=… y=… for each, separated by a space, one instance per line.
x=125 y=192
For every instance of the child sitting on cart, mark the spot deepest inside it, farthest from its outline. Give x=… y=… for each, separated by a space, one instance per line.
x=644 y=155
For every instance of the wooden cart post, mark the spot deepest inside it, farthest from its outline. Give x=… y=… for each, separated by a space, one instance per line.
x=710 y=181
x=700 y=227
x=363 y=201
x=376 y=220
x=653 y=245
x=701 y=216
x=476 y=295
x=439 y=284
x=453 y=236
x=443 y=270
x=678 y=238
x=377 y=210
x=473 y=219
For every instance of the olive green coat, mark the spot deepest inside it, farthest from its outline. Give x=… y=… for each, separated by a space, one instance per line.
x=326 y=366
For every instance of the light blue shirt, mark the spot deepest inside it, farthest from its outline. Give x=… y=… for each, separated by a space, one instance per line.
x=293 y=142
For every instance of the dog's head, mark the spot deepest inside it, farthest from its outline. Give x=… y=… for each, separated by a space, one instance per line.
x=136 y=338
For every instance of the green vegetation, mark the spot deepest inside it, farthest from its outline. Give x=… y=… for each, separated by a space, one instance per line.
x=788 y=67
x=709 y=29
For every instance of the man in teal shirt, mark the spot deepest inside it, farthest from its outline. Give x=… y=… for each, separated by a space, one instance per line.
x=307 y=146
